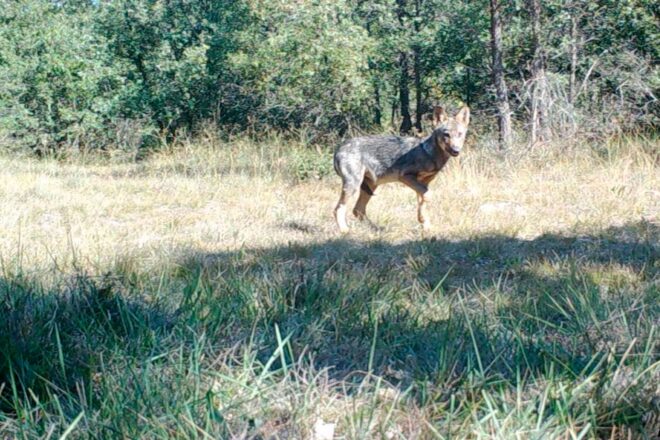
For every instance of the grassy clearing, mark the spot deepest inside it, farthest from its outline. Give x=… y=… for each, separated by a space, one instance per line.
x=204 y=293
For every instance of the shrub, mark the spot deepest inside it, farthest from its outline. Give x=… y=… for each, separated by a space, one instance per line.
x=60 y=87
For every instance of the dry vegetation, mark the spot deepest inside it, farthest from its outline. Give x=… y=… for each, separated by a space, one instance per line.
x=205 y=292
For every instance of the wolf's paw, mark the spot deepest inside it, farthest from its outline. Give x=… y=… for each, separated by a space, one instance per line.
x=360 y=215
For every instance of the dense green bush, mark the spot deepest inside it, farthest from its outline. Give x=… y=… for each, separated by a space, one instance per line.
x=59 y=84
x=310 y=164
x=304 y=66
x=89 y=74
x=175 y=54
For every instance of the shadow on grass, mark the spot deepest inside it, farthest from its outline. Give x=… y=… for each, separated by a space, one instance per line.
x=55 y=339
x=433 y=307
x=435 y=312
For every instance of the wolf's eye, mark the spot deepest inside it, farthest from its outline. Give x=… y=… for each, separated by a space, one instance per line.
x=445 y=134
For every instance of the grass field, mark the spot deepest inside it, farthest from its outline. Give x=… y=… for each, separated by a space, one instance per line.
x=205 y=293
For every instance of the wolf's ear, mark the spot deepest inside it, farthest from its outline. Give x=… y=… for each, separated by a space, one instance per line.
x=464 y=116
x=439 y=116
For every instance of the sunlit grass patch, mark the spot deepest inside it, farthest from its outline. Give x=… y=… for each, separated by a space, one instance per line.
x=183 y=297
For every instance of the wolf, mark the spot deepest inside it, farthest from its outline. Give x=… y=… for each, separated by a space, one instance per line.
x=364 y=163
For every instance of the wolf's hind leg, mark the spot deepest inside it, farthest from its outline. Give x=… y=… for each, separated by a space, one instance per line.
x=360 y=209
x=366 y=191
x=340 y=210
x=351 y=171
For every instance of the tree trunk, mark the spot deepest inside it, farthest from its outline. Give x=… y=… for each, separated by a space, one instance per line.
x=404 y=91
x=378 y=113
x=572 y=80
x=574 y=57
x=468 y=87
x=418 y=93
x=373 y=68
x=404 y=95
x=539 y=132
x=417 y=66
x=501 y=92
x=394 y=112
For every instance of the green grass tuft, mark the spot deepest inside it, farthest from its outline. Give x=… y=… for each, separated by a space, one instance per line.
x=465 y=334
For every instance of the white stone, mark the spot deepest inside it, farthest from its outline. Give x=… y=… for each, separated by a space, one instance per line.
x=323 y=431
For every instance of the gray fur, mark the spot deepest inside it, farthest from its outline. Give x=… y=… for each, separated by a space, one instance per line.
x=383 y=159
x=366 y=162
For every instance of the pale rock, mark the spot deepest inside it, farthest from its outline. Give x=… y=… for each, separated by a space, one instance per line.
x=323 y=431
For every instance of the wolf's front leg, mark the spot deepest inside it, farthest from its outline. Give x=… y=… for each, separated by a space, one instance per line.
x=423 y=196
x=422 y=216
x=360 y=210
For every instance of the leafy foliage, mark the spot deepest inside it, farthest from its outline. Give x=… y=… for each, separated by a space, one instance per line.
x=305 y=65
x=60 y=86
x=100 y=74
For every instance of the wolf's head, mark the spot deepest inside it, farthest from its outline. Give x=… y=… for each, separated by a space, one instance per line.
x=449 y=132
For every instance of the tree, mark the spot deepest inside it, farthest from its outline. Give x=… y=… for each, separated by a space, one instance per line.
x=539 y=89
x=98 y=74
x=58 y=82
x=417 y=66
x=176 y=53
x=501 y=92
x=404 y=74
x=304 y=65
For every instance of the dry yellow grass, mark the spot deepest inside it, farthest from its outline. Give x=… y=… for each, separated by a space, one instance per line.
x=207 y=252
x=222 y=197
